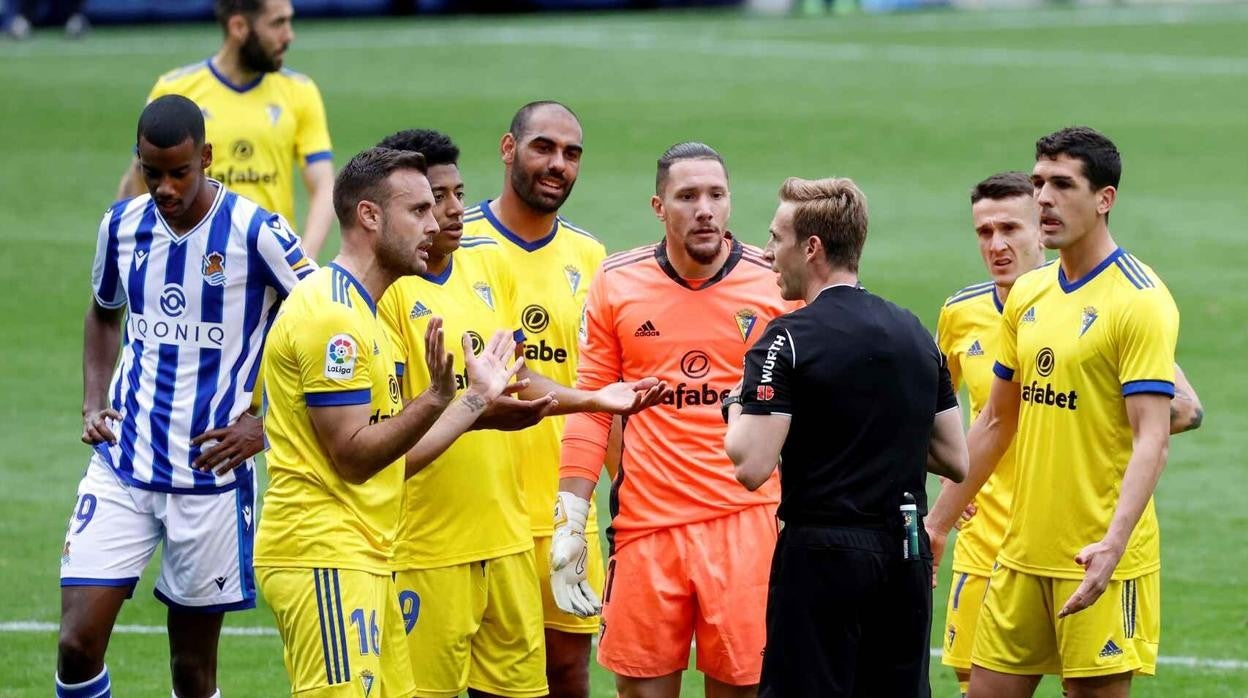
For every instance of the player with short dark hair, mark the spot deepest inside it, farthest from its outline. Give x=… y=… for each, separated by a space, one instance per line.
x=689 y=547
x=1085 y=376
x=194 y=272
x=340 y=436
x=1006 y=221
x=850 y=397
x=261 y=117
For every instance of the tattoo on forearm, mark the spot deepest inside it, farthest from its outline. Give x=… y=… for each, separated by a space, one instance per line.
x=474 y=402
x=1197 y=418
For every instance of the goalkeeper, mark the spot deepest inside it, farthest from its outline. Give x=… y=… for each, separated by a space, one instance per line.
x=690 y=547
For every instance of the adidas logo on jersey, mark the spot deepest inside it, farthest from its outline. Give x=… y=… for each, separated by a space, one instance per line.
x=647 y=329
x=419 y=310
x=1110 y=649
x=975 y=350
x=1030 y=315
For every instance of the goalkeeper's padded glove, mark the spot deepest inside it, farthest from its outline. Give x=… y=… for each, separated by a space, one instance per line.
x=569 y=558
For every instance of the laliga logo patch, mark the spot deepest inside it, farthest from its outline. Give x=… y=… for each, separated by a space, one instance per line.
x=746 y=319
x=340 y=357
x=213 y=269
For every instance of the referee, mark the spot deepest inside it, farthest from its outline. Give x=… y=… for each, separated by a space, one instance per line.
x=852 y=395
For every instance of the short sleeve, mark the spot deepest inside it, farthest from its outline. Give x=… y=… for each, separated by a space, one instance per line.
x=312 y=131
x=770 y=373
x=282 y=252
x=946 y=394
x=1147 y=332
x=105 y=274
x=509 y=299
x=1006 y=362
x=945 y=337
x=335 y=358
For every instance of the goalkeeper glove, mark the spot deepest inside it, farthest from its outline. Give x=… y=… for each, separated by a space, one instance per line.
x=569 y=558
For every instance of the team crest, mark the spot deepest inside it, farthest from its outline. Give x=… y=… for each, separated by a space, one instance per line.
x=1089 y=317
x=419 y=310
x=65 y=555
x=953 y=633
x=366 y=678
x=214 y=269
x=746 y=319
x=207 y=114
x=485 y=293
x=275 y=112
x=574 y=278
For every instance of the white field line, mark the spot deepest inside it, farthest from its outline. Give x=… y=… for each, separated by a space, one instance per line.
x=604 y=37
x=1203 y=663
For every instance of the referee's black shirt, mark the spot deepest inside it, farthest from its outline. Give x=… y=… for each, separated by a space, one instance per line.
x=862 y=381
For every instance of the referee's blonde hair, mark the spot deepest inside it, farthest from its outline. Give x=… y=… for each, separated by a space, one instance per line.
x=832 y=209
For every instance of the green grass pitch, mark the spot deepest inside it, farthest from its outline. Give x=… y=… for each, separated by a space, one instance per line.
x=916 y=108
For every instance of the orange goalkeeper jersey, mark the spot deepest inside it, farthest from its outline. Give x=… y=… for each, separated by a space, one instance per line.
x=642 y=319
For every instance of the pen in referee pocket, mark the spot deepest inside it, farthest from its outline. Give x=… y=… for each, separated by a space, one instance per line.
x=910 y=521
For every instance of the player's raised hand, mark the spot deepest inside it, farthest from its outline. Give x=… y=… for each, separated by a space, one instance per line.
x=490 y=373
x=507 y=413
x=440 y=362
x=234 y=445
x=1099 y=560
x=938 y=541
x=96 y=429
x=630 y=397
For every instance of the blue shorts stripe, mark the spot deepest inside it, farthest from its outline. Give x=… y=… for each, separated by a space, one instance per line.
x=320 y=610
x=346 y=663
x=957 y=592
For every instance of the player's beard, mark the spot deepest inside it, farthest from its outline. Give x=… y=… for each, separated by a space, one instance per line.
x=525 y=186
x=703 y=253
x=396 y=255
x=254 y=58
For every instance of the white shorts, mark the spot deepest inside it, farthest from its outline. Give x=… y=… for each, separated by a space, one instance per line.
x=206 y=562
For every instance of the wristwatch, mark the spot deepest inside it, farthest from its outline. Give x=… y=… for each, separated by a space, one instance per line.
x=730 y=400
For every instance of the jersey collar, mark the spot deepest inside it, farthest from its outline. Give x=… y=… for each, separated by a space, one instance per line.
x=212 y=211
x=1069 y=287
x=660 y=255
x=516 y=239
x=442 y=278
x=226 y=81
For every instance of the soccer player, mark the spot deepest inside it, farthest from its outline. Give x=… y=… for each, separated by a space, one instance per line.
x=1006 y=221
x=196 y=272
x=338 y=433
x=553 y=262
x=690 y=548
x=466 y=574
x=261 y=118
x=1084 y=381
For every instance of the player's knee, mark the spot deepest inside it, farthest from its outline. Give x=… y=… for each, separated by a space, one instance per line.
x=194 y=676
x=79 y=657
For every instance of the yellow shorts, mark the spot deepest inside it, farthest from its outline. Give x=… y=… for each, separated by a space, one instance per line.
x=555 y=618
x=475 y=625
x=334 y=626
x=1019 y=632
x=966 y=596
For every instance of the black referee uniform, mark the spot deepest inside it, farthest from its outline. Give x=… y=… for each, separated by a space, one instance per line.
x=847 y=614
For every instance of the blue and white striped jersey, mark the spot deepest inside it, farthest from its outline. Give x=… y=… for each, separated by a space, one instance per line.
x=199 y=306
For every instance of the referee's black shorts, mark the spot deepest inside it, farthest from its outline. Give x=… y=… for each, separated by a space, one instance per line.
x=846 y=616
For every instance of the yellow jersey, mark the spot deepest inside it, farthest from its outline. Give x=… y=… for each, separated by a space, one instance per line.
x=468 y=504
x=967 y=335
x=1078 y=350
x=552 y=278
x=327 y=347
x=257 y=131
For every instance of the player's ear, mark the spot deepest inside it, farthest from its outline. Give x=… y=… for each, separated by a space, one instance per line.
x=237 y=27
x=507 y=148
x=205 y=156
x=656 y=203
x=1105 y=199
x=368 y=213
x=814 y=247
